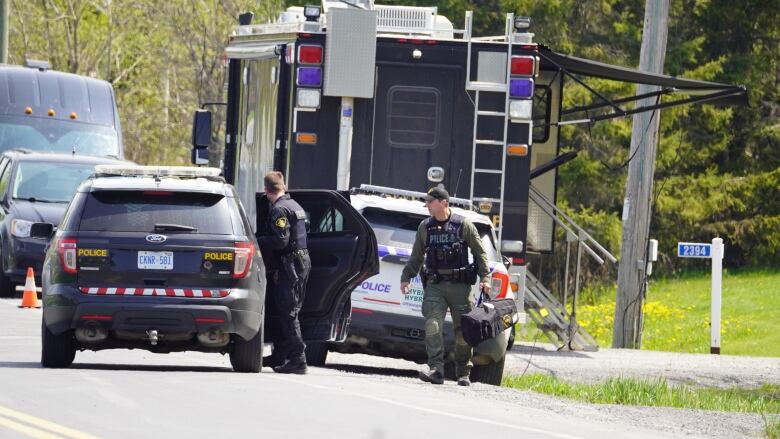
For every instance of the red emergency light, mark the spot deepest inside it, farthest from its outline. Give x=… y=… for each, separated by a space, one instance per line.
x=523 y=65
x=309 y=54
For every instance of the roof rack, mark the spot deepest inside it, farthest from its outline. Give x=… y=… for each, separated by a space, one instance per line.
x=211 y=174
x=369 y=189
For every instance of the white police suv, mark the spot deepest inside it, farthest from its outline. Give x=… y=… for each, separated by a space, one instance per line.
x=388 y=323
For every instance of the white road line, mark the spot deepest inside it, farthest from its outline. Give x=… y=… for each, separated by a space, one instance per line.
x=406 y=405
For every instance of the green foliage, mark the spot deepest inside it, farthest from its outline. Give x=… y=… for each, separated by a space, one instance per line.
x=163 y=59
x=655 y=393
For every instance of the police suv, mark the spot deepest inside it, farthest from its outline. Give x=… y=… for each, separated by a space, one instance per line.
x=165 y=259
x=387 y=323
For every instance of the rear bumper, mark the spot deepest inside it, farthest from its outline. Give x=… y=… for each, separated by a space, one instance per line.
x=65 y=308
x=403 y=336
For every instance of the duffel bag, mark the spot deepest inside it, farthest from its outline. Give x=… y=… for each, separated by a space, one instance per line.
x=487 y=320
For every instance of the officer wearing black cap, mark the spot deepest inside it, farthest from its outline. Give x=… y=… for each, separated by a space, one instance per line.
x=441 y=250
x=283 y=244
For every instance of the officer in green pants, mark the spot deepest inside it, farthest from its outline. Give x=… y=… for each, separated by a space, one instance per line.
x=441 y=249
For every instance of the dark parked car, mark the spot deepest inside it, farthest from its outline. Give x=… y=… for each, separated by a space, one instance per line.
x=165 y=259
x=34 y=188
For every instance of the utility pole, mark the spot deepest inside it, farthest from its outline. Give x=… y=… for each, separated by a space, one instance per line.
x=639 y=186
x=5 y=5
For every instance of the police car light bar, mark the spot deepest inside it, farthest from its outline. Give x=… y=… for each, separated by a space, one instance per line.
x=156 y=171
x=369 y=189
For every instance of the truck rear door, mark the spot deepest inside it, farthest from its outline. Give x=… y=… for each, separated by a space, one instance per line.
x=343 y=252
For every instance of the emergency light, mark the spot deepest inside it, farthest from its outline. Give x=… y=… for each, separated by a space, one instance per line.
x=309 y=54
x=308 y=98
x=520 y=109
x=523 y=65
x=156 y=171
x=521 y=88
x=309 y=76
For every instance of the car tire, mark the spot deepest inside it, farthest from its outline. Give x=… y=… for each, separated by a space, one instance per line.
x=7 y=287
x=511 y=341
x=57 y=351
x=247 y=355
x=316 y=353
x=491 y=373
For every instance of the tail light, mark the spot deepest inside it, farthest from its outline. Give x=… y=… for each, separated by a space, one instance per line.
x=66 y=249
x=499 y=284
x=243 y=261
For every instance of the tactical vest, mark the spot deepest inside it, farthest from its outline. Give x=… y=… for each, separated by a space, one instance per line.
x=445 y=249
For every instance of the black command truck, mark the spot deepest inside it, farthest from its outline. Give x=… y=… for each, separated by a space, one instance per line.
x=351 y=92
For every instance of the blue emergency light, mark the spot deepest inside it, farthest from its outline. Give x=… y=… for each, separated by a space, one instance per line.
x=521 y=88
x=309 y=76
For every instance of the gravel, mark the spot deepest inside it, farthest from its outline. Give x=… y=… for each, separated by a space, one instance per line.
x=690 y=369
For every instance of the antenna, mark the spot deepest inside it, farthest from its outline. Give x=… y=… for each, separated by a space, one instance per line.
x=457 y=183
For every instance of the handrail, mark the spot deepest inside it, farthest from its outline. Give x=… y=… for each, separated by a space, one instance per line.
x=581 y=233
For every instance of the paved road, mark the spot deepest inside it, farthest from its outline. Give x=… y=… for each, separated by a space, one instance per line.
x=135 y=394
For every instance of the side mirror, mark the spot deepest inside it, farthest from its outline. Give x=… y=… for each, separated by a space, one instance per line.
x=506 y=261
x=201 y=129
x=42 y=230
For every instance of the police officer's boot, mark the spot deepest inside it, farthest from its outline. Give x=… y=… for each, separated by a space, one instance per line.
x=432 y=376
x=273 y=360
x=296 y=366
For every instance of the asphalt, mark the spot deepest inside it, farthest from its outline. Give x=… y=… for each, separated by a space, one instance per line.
x=136 y=394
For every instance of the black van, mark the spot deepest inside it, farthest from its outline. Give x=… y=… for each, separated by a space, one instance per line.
x=51 y=111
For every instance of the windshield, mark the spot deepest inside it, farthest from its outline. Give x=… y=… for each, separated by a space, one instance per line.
x=396 y=229
x=48 y=181
x=54 y=135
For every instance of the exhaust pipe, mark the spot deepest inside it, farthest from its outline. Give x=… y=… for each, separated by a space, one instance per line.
x=213 y=338
x=92 y=333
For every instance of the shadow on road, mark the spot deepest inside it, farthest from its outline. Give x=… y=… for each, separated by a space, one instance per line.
x=20 y=364
x=371 y=370
x=150 y=368
x=133 y=367
x=539 y=351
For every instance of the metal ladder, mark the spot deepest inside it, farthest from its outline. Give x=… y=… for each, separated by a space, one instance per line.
x=478 y=145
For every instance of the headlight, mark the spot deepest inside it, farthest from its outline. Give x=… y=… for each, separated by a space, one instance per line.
x=21 y=228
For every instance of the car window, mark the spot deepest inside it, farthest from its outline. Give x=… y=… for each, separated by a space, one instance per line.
x=49 y=182
x=396 y=229
x=140 y=211
x=323 y=218
x=5 y=172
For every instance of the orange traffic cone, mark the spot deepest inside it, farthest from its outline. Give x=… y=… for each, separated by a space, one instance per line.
x=30 y=297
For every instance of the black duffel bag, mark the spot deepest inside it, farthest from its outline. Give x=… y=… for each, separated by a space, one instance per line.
x=487 y=320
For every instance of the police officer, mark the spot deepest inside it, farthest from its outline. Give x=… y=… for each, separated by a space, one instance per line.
x=283 y=243
x=441 y=249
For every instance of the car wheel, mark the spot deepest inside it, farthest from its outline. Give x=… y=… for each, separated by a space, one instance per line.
x=491 y=373
x=316 y=353
x=511 y=341
x=57 y=351
x=247 y=355
x=6 y=286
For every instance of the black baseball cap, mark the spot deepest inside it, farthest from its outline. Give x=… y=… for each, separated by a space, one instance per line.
x=437 y=193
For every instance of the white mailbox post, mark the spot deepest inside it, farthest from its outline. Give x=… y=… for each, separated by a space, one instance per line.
x=714 y=252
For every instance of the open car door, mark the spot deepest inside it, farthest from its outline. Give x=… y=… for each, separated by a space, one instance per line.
x=343 y=251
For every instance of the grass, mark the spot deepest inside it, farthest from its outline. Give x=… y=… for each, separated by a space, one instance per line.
x=657 y=393
x=677 y=314
x=771 y=427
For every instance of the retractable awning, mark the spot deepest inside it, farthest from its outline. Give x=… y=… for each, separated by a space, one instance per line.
x=695 y=91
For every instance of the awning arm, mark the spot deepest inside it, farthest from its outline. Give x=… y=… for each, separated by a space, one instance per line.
x=582 y=83
x=653 y=94
x=693 y=99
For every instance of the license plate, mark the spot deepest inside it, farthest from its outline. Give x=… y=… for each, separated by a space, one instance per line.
x=155 y=260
